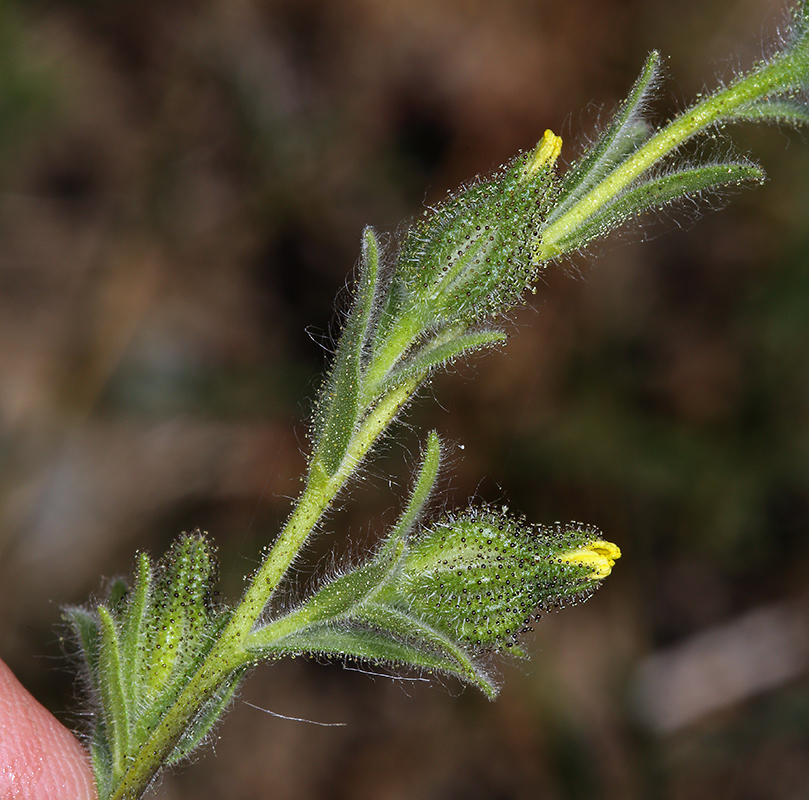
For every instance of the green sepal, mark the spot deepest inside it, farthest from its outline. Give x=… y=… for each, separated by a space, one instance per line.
x=623 y=136
x=470 y=258
x=656 y=193
x=480 y=577
x=338 y=408
x=180 y=628
x=174 y=624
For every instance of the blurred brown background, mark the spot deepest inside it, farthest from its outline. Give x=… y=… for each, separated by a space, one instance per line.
x=183 y=190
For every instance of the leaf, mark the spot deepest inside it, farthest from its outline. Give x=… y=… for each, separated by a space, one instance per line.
x=439 y=354
x=623 y=136
x=134 y=630
x=85 y=625
x=338 y=407
x=431 y=644
x=778 y=109
x=656 y=193
x=206 y=719
x=114 y=702
x=116 y=595
x=421 y=647
x=422 y=489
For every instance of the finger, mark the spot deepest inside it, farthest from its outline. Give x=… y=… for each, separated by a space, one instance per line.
x=40 y=759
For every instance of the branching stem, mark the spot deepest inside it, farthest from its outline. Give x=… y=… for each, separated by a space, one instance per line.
x=371 y=381
x=710 y=111
x=229 y=653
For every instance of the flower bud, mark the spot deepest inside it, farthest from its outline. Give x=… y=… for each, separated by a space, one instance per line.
x=483 y=576
x=178 y=626
x=473 y=256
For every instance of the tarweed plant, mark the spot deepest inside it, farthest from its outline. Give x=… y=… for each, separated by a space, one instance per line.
x=164 y=656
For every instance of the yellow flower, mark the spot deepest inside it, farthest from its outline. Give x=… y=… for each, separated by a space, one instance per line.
x=600 y=555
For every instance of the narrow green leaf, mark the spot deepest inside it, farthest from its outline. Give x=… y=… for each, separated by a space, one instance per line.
x=371 y=287
x=114 y=701
x=422 y=489
x=623 y=136
x=116 y=596
x=349 y=642
x=656 y=193
x=799 y=33
x=381 y=647
x=101 y=761
x=434 y=356
x=135 y=628
x=338 y=407
x=337 y=600
x=780 y=109
x=431 y=643
x=206 y=719
x=85 y=624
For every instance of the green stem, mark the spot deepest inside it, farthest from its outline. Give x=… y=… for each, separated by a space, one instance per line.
x=723 y=104
x=229 y=653
x=226 y=657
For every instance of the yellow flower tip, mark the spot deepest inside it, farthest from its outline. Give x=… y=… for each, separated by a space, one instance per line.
x=545 y=153
x=599 y=555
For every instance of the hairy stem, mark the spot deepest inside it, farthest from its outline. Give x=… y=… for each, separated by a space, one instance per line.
x=719 y=106
x=229 y=653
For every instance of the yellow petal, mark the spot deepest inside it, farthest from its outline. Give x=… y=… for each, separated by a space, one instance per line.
x=545 y=153
x=599 y=555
